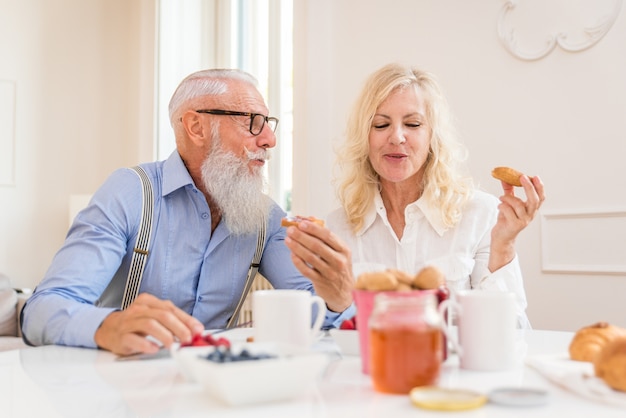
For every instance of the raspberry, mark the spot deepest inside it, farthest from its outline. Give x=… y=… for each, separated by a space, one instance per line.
x=442 y=293
x=223 y=342
x=199 y=340
x=348 y=324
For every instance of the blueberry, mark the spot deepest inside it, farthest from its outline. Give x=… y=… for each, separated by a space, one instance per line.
x=225 y=355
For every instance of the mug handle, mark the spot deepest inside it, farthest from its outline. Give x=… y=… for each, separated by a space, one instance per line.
x=448 y=305
x=321 y=314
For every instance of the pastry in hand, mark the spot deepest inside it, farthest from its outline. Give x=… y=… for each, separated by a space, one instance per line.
x=507 y=175
x=294 y=220
x=610 y=363
x=588 y=341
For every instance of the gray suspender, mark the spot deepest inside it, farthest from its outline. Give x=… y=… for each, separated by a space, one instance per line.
x=254 y=267
x=140 y=251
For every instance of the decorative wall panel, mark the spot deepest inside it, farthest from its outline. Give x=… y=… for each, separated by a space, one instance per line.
x=584 y=242
x=532 y=29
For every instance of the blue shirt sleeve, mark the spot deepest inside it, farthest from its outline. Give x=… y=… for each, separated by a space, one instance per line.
x=62 y=309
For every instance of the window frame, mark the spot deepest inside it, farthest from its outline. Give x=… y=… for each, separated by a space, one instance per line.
x=253 y=35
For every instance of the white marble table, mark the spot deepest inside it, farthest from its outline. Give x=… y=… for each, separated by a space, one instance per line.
x=57 y=381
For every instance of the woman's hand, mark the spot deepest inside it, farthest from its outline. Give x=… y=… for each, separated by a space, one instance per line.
x=124 y=332
x=322 y=257
x=515 y=215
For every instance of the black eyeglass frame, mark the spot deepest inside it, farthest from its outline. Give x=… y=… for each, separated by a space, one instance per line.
x=266 y=119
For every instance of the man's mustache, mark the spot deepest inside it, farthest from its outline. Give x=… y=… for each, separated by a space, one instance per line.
x=262 y=155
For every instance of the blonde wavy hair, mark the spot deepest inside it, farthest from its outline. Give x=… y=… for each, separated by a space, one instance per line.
x=444 y=185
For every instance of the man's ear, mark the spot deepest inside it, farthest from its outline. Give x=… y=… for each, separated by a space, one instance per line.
x=192 y=124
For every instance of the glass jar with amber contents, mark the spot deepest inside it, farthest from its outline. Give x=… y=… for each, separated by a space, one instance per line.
x=406 y=341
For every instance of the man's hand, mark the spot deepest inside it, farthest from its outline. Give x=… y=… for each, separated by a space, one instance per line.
x=124 y=332
x=322 y=257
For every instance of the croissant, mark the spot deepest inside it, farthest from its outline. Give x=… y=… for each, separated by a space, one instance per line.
x=610 y=363
x=588 y=341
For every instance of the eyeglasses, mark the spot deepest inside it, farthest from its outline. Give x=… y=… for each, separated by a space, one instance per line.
x=257 y=120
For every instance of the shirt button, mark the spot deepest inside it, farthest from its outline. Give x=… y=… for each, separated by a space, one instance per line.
x=205 y=215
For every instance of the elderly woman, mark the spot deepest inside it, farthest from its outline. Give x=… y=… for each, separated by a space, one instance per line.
x=406 y=203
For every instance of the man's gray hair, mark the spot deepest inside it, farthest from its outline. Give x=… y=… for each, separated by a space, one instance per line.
x=205 y=83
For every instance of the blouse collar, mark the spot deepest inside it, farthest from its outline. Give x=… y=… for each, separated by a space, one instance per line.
x=421 y=207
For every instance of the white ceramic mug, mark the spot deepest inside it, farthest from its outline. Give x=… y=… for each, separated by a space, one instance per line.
x=487 y=324
x=285 y=316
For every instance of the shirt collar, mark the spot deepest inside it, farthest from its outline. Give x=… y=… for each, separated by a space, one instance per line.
x=431 y=212
x=175 y=174
x=370 y=216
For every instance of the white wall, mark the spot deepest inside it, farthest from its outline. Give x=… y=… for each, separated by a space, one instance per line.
x=83 y=71
x=560 y=117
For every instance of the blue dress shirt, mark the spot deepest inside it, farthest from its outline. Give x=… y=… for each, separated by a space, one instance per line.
x=201 y=272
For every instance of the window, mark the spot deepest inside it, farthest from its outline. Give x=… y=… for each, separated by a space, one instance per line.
x=253 y=35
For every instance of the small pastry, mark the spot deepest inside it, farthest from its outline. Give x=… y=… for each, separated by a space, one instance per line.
x=403 y=287
x=294 y=220
x=379 y=280
x=507 y=175
x=402 y=277
x=430 y=277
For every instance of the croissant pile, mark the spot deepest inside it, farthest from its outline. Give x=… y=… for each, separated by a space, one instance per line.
x=604 y=345
x=429 y=277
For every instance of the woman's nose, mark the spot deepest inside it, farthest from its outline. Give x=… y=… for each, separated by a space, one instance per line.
x=397 y=137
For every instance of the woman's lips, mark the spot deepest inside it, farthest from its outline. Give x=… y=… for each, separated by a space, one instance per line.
x=395 y=156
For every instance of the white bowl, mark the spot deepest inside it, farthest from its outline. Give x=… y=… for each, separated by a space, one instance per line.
x=347 y=340
x=185 y=356
x=282 y=377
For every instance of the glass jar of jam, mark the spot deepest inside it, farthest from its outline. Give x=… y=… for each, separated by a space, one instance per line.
x=406 y=341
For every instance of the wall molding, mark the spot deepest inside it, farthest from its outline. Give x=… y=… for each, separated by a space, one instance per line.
x=584 y=242
x=591 y=34
x=7 y=132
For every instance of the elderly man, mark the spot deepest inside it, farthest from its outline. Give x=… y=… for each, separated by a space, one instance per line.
x=208 y=206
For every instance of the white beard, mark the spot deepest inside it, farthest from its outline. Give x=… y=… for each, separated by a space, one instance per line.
x=237 y=191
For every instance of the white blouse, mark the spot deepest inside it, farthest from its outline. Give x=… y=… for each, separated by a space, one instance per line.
x=461 y=252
